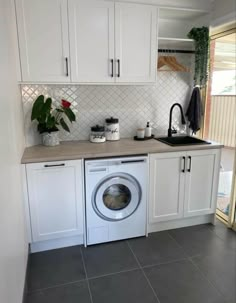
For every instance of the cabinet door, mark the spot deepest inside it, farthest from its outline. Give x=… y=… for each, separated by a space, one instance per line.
x=202 y=175
x=43 y=40
x=55 y=199
x=135 y=42
x=91 y=26
x=166 y=187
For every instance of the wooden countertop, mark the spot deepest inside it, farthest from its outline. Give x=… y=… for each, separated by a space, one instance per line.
x=72 y=150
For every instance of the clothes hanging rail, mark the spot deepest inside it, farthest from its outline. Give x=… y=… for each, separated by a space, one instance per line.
x=177 y=51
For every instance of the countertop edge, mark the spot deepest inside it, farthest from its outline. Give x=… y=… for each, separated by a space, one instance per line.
x=160 y=148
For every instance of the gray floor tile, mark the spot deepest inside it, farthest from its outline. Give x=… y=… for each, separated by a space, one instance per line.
x=122 y=288
x=72 y=293
x=51 y=268
x=157 y=248
x=181 y=282
x=220 y=269
x=198 y=240
x=226 y=234
x=108 y=258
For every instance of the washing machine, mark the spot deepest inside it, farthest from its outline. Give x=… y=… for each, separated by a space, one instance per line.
x=116 y=198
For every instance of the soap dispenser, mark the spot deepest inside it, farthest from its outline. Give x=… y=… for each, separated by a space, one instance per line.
x=148 y=130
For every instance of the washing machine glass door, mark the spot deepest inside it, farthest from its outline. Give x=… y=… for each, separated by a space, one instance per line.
x=116 y=197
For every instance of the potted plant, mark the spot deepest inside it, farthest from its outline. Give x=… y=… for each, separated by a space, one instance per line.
x=200 y=35
x=50 y=119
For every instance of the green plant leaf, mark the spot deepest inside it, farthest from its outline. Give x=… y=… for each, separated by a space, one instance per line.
x=64 y=125
x=51 y=122
x=45 y=111
x=37 y=107
x=70 y=115
x=59 y=110
x=47 y=107
x=201 y=40
x=42 y=128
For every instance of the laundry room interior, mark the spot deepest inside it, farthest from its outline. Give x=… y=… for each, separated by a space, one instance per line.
x=118 y=151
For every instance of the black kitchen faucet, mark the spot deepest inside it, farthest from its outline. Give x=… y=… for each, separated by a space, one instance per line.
x=170 y=130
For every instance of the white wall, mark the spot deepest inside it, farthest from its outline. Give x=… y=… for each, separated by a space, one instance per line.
x=223 y=12
x=13 y=242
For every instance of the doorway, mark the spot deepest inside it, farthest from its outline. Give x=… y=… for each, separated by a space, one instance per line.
x=220 y=118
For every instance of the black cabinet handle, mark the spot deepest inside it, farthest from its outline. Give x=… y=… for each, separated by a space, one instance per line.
x=183 y=170
x=112 y=68
x=67 y=67
x=118 y=61
x=54 y=165
x=190 y=164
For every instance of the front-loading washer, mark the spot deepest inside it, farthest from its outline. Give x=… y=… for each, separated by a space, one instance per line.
x=116 y=198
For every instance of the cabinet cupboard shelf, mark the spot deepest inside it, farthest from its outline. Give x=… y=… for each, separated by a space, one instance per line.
x=176 y=22
x=175 y=43
x=181 y=14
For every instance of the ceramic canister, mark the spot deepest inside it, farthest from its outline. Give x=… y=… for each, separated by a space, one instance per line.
x=112 y=129
x=97 y=134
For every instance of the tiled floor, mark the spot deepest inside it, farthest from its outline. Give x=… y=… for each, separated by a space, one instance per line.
x=187 y=265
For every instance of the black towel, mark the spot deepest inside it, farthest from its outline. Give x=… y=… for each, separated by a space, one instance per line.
x=195 y=110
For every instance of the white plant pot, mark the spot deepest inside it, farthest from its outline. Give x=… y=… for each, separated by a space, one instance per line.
x=51 y=139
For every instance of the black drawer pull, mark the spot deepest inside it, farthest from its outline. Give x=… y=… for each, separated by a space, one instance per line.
x=54 y=165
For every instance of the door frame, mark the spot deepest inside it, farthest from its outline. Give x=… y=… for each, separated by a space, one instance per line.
x=232 y=213
x=230 y=220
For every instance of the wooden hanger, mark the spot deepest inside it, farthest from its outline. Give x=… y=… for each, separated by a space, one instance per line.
x=172 y=63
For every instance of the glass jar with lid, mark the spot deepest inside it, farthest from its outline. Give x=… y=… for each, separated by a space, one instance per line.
x=112 y=129
x=97 y=134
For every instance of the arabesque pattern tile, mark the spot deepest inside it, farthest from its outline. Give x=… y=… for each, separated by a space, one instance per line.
x=134 y=105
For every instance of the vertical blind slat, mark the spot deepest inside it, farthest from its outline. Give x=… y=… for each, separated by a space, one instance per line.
x=223 y=120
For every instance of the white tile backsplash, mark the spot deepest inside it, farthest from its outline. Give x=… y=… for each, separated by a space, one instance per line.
x=133 y=105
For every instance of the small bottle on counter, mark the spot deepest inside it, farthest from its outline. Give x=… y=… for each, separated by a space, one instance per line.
x=148 y=130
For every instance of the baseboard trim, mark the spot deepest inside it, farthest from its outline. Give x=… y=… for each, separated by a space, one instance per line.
x=56 y=243
x=25 y=290
x=181 y=223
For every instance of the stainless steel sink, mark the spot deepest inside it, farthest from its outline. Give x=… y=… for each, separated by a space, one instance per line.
x=182 y=140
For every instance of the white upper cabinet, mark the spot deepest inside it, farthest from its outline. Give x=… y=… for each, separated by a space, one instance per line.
x=94 y=41
x=91 y=26
x=136 y=42
x=43 y=40
x=112 y=42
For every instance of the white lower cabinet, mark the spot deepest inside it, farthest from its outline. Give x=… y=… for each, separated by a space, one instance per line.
x=166 y=187
x=201 y=182
x=183 y=184
x=55 y=195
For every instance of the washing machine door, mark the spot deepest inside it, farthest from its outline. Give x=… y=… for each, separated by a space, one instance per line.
x=116 y=197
